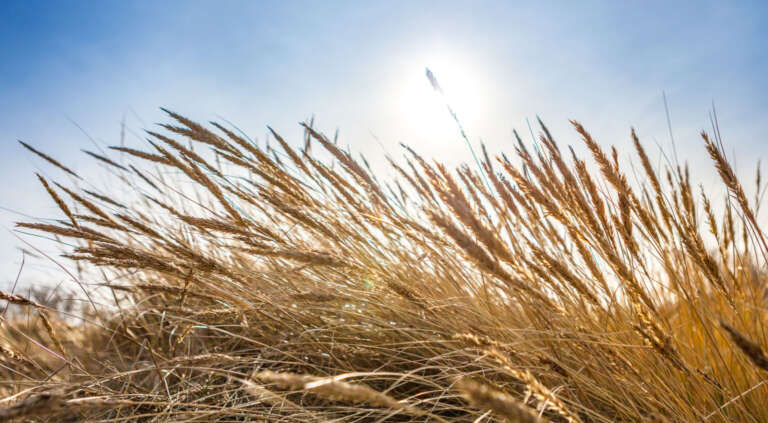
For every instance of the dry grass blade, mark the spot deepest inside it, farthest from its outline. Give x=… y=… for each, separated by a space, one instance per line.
x=82 y=233
x=484 y=397
x=105 y=160
x=45 y=318
x=18 y=300
x=59 y=202
x=318 y=258
x=143 y=155
x=334 y=389
x=49 y=159
x=751 y=349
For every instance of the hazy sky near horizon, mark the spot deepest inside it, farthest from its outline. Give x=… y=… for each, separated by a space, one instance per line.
x=70 y=71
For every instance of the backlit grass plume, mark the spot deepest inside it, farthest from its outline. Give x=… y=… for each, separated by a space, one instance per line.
x=236 y=282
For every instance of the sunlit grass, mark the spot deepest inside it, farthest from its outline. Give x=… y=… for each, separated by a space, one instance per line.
x=293 y=285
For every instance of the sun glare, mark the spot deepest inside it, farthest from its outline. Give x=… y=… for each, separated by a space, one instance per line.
x=425 y=110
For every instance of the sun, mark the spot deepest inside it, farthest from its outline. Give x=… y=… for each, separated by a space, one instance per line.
x=424 y=109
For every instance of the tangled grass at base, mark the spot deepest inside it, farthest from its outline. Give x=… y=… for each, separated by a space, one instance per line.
x=294 y=286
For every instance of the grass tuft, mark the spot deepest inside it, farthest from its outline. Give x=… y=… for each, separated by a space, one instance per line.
x=241 y=283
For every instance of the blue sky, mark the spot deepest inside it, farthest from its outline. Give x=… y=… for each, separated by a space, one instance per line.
x=359 y=67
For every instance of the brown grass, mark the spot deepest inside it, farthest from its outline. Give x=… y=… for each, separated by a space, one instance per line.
x=295 y=286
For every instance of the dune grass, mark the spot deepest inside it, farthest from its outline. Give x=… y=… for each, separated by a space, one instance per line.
x=243 y=283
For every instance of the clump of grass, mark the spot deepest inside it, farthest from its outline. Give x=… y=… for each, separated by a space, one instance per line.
x=236 y=282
